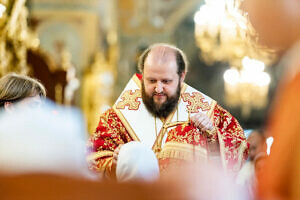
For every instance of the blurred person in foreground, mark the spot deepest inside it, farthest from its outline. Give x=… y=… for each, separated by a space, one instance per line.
x=278 y=25
x=42 y=156
x=44 y=140
x=247 y=175
x=20 y=89
x=179 y=123
x=197 y=182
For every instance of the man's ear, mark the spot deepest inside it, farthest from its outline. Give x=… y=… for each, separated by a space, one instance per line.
x=8 y=106
x=182 y=77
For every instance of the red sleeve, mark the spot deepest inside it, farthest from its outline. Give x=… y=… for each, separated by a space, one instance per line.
x=109 y=134
x=232 y=140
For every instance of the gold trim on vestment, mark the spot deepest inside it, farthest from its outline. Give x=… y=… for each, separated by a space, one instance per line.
x=158 y=142
x=222 y=150
x=242 y=148
x=183 y=151
x=104 y=167
x=99 y=154
x=177 y=123
x=121 y=116
x=212 y=107
x=183 y=88
x=137 y=81
x=126 y=124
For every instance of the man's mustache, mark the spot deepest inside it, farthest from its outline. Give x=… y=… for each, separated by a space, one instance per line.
x=161 y=93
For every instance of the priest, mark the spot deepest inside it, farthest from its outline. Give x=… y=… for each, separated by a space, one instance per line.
x=179 y=123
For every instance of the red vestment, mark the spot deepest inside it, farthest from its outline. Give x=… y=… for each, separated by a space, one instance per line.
x=184 y=142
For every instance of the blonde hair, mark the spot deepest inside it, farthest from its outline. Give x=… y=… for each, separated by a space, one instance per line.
x=15 y=87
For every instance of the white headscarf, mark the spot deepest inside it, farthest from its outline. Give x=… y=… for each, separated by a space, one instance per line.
x=137 y=162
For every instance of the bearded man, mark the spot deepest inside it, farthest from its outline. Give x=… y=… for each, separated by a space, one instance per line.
x=179 y=123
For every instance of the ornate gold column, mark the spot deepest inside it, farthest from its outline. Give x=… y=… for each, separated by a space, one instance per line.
x=97 y=90
x=100 y=77
x=15 y=37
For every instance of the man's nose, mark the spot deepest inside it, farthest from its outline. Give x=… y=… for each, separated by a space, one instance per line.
x=159 y=87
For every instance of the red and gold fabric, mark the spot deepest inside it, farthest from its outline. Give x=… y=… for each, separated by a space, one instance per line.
x=173 y=139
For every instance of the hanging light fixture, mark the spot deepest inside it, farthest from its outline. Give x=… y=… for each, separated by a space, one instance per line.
x=224 y=33
x=247 y=87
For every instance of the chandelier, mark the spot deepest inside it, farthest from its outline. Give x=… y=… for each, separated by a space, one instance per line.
x=247 y=87
x=224 y=33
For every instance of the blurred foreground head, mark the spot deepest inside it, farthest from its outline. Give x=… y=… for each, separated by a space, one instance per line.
x=50 y=139
x=278 y=25
x=276 y=21
x=137 y=162
x=203 y=181
x=257 y=142
x=21 y=89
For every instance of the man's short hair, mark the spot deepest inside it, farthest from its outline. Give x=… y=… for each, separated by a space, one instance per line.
x=15 y=87
x=181 y=59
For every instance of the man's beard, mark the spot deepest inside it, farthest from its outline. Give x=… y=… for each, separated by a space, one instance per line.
x=164 y=109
